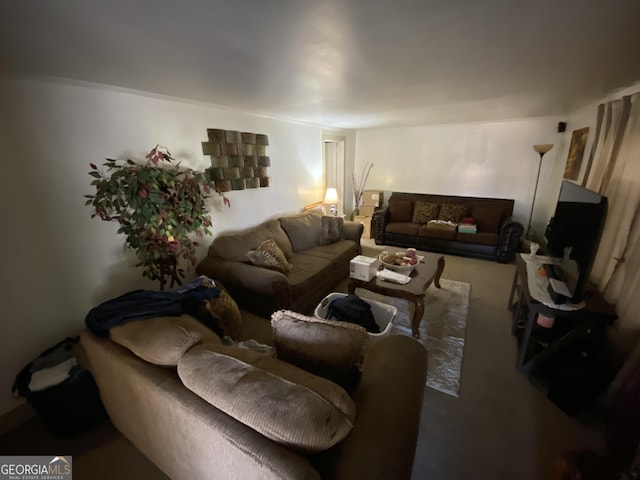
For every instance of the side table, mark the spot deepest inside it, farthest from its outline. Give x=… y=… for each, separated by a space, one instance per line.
x=597 y=314
x=426 y=272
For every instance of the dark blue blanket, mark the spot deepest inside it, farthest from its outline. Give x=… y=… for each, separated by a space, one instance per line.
x=140 y=304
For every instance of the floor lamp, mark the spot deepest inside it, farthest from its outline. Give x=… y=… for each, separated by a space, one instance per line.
x=541 y=149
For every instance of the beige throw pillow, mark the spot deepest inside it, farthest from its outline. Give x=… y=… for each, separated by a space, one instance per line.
x=329 y=348
x=162 y=340
x=282 y=402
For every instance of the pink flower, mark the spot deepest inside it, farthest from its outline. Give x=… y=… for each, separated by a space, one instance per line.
x=143 y=193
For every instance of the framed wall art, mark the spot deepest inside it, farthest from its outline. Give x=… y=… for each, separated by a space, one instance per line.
x=576 y=153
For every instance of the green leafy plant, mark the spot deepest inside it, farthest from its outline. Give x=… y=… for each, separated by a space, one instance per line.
x=158 y=208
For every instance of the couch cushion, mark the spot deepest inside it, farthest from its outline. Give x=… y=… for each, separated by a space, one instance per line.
x=330 y=230
x=487 y=218
x=339 y=253
x=234 y=246
x=269 y=255
x=452 y=212
x=425 y=211
x=309 y=273
x=282 y=402
x=438 y=230
x=303 y=229
x=481 y=238
x=329 y=348
x=400 y=210
x=162 y=340
x=403 y=228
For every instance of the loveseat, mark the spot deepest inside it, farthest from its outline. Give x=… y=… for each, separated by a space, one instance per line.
x=317 y=250
x=142 y=374
x=430 y=222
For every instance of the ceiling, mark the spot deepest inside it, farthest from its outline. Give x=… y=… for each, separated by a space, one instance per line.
x=338 y=63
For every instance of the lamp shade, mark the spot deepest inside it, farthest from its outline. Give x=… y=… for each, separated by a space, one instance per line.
x=331 y=197
x=543 y=148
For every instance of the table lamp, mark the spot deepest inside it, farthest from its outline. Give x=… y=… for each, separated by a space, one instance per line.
x=331 y=198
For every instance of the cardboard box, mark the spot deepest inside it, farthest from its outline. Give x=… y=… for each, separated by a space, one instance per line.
x=366 y=222
x=372 y=198
x=363 y=268
x=367 y=210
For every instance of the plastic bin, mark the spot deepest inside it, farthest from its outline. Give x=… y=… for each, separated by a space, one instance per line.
x=382 y=313
x=68 y=408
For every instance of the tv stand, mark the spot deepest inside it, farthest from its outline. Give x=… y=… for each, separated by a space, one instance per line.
x=537 y=344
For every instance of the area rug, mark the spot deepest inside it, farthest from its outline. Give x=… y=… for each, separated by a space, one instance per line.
x=442 y=329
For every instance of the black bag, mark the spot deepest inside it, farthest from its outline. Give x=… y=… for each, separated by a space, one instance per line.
x=69 y=408
x=353 y=309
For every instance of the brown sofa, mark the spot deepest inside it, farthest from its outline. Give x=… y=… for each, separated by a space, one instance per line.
x=188 y=437
x=407 y=221
x=317 y=269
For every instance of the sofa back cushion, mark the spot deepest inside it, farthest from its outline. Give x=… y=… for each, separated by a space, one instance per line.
x=400 y=210
x=303 y=229
x=162 y=340
x=329 y=348
x=487 y=218
x=235 y=246
x=284 y=403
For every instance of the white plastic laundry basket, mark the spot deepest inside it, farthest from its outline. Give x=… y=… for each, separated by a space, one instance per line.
x=382 y=314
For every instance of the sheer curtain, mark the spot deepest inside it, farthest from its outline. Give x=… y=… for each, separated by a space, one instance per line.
x=615 y=172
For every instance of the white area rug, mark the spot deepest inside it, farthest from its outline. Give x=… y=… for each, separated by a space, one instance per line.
x=442 y=329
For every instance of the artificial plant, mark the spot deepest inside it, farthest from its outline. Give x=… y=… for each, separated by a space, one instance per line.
x=358 y=189
x=158 y=207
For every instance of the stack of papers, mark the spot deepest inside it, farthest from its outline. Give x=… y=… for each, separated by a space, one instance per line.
x=391 y=276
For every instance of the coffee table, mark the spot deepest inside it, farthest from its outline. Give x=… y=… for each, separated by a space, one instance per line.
x=426 y=272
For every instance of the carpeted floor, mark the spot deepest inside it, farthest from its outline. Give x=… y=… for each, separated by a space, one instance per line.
x=442 y=329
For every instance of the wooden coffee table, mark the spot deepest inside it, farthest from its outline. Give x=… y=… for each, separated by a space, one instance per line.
x=428 y=271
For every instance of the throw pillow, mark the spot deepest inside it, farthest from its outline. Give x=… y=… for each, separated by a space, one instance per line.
x=284 y=403
x=269 y=255
x=452 y=212
x=400 y=210
x=487 y=218
x=162 y=340
x=424 y=212
x=330 y=230
x=224 y=315
x=328 y=348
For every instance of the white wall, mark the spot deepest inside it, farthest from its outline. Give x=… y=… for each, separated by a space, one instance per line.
x=493 y=159
x=57 y=262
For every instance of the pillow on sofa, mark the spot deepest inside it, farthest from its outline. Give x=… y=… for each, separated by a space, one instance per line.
x=330 y=229
x=424 y=212
x=329 y=348
x=400 y=210
x=303 y=229
x=224 y=315
x=269 y=255
x=162 y=340
x=452 y=212
x=282 y=402
x=487 y=218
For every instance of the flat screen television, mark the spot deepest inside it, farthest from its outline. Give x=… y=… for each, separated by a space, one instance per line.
x=577 y=224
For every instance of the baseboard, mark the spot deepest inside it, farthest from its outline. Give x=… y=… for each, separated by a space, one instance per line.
x=15 y=417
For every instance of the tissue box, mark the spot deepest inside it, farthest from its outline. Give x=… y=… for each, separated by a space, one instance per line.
x=363 y=268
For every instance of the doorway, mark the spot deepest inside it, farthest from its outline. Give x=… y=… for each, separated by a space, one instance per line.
x=333 y=153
